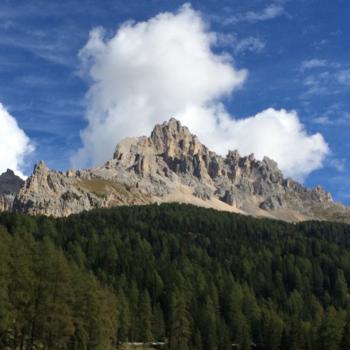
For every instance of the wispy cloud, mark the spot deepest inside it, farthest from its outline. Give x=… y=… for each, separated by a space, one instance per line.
x=323 y=120
x=319 y=84
x=320 y=44
x=20 y=29
x=250 y=44
x=338 y=164
x=343 y=77
x=6 y=25
x=313 y=63
x=323 y=77
x=334 y=116
x=11 y=10
x=49 y=47
x=35 y=81
x=241 y=45
x=270 y=12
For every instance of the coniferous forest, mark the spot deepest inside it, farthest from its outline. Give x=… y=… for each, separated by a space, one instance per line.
x=190 y=277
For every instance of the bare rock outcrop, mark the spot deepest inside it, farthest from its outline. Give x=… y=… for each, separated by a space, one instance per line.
x=173 y=165
x=9 y=187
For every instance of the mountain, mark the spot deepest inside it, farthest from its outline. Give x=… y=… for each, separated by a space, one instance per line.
x=172 y=165
x=9 y=187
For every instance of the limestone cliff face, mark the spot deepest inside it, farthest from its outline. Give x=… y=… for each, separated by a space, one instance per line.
x=173 y=165
x=9 y=186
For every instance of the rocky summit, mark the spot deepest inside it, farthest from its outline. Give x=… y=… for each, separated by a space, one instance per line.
x=9 y=187
x=172 y=165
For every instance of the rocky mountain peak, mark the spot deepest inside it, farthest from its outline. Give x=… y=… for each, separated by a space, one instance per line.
x=9 y=173
x=169 y=143
x=10 y=184
x=175 y=140
x=40 y=167
x=172 y=165
x=234 y=155
x=322 y=195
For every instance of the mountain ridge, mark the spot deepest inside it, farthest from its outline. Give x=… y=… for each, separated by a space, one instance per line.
x=172 y=165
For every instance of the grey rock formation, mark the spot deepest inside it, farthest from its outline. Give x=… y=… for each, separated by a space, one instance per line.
x=9 y=187
x=172 y=165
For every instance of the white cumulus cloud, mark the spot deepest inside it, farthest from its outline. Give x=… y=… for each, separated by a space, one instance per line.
x=14 y=143
x=150 y=71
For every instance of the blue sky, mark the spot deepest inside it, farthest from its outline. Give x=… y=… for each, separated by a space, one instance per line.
x=296 y=54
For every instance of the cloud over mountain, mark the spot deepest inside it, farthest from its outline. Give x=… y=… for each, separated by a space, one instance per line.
x=14 y=143
x=150 y=71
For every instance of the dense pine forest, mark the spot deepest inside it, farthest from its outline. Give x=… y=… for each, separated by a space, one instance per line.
x=190 y=277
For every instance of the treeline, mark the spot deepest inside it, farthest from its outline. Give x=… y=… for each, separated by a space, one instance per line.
x=194 y=278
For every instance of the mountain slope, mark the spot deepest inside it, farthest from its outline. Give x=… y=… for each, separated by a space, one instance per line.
x=172 y=165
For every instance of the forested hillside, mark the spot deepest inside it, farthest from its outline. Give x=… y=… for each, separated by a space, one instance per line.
x=192 y=277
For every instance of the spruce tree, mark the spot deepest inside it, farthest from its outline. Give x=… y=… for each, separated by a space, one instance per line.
x=180 y=331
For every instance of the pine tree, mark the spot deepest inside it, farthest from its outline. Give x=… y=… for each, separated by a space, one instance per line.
x=5 y=308
x=197 y=341
x=145 y=317
x=58 y=319
x=272 y=329
x=209 y=324
x=179 y=324
x=341 y=289
x=158 y=325
x=345 y=342
x=330 y=331
x=124 y=321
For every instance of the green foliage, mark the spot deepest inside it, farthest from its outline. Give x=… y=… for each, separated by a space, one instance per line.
x=46 y=301
x=194 y=278
x=179 y=322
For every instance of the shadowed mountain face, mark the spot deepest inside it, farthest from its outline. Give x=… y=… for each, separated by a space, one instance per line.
x=172 y=165
x=9 y=187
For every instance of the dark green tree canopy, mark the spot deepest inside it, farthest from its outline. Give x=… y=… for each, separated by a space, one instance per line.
x=188 y=277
